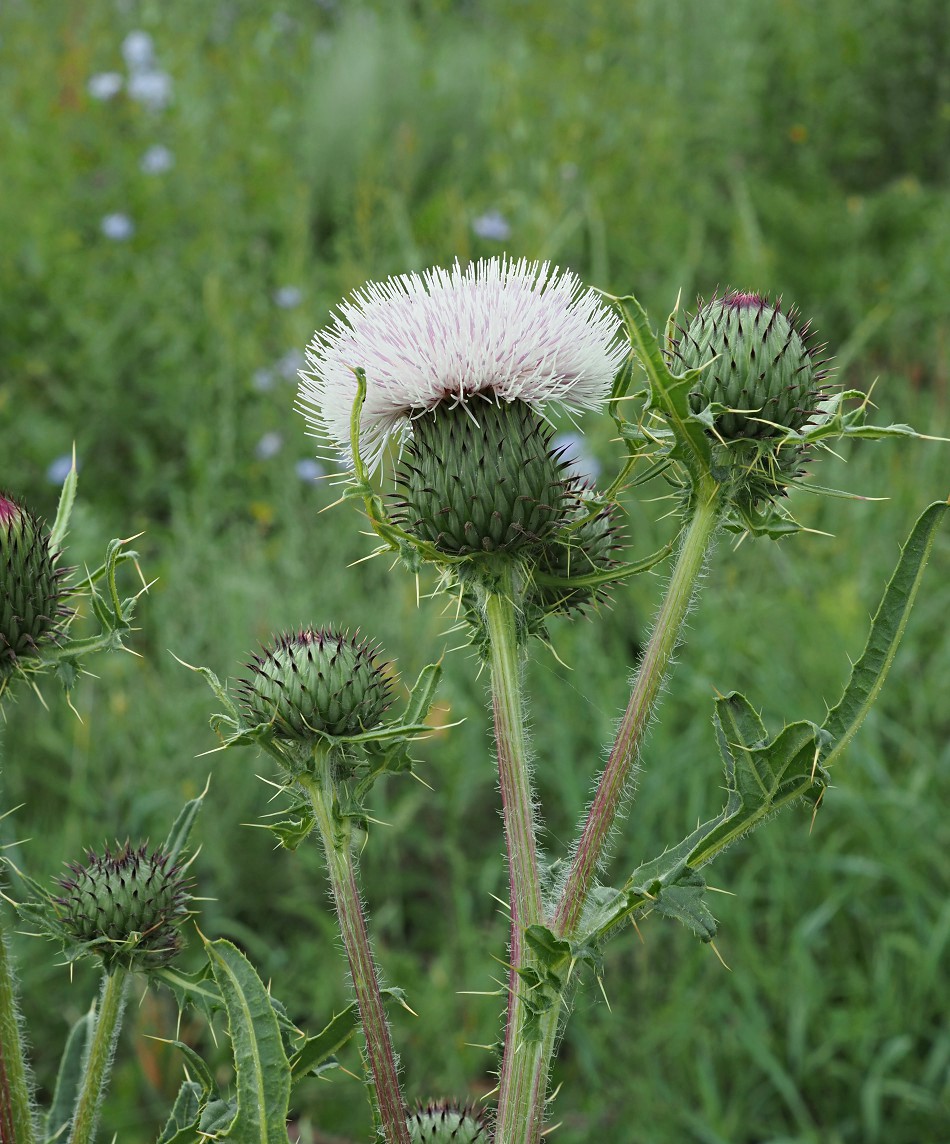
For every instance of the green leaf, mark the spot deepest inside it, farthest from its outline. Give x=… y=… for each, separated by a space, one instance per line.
x=887 y=629
x=262 y=1071
x=196 y=989
x=422 y=694
x=318 y=1050
x=178 y=836
x=196 y=1066
x=669 y=392
x=69 y=1078
x=67 y=497
x=182 y=1123
x=683 y=901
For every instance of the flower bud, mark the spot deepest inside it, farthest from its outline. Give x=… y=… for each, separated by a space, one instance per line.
x=31 y=588
x=316 y=682
x=577 y=550
x=129 y=906
x=446 y=1124
x=481 y=478
x=764 y=374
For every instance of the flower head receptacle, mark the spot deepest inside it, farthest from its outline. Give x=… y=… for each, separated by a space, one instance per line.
x=316 y=682
x=126 y=907
x=32 y=612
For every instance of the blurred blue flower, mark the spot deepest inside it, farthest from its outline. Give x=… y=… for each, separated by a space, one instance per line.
x=263 y=379
x=119 y=227
x=580 y=459
x=290 y=364
x=492 y=225
x=269 y=446
x=157 y=160
x=287 y=297
x=151 y=88
x=138 y=51
x=58 y=470
x=104 y=85
x=309 y=469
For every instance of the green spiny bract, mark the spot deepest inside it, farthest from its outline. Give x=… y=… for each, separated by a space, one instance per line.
x=764 y=379
x=316 y=682
x=127 y=907
x=481 y=478
x=31 y=587
x=585 y=544
x=443 y=1123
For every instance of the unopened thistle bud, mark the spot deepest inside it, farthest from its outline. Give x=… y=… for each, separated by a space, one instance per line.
x=765 y=378
x=126 y=907
x=481 y=478
x=31 y=587
x=316 y=682
x=585 y=545
x=446 y=1124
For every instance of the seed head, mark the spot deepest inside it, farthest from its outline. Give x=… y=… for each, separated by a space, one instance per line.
x=498 y=329
x=316 y=682
x=129 y=905
x=32 y=612
x=765 y=376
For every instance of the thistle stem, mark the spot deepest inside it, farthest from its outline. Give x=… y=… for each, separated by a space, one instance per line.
x=16 y=1113
x=522 y=1086
x=609 y=796
x=336 y=834
x=98 y=1062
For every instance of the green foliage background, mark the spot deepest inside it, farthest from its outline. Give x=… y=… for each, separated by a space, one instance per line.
x=794 y=147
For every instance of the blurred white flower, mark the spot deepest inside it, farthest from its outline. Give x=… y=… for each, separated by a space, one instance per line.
x=119 y=227
x=290 y=364
x=500 y=329
x=492 y=225
x=268 y=446
x=157 y=160
x=104 y=85
x=287 y=297
x=151 y=88
x=309 y=469
x=138 y=51
x=57 y=471
x=581 y=461
x=263 y=379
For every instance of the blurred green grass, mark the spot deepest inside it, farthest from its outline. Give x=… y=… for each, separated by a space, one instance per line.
x=796 y=148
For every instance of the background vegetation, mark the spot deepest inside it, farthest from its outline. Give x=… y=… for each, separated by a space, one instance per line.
x=794 y=147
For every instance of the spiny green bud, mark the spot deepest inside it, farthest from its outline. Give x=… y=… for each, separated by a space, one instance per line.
x=764 y=376
x=129 y=905
x=31 y=587
x=316 y=682
x=481 y=478
x=586 y=543
x=446 y=1124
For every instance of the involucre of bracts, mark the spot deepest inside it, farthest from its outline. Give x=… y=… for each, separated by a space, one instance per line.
x=760 y=374
x=447 y=1123
x=481 y=479
x=316 y=682
x=32 y=612
x=128 y=907
x=586 y=543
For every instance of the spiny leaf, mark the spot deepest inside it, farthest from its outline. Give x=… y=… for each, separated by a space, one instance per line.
x=69 y=1078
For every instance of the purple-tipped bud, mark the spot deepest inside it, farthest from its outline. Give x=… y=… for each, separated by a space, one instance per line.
x=32 y=612
x=765 y=377
x=128 y=907
x=316 y=682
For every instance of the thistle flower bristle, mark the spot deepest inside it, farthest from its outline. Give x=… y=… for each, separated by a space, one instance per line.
x=446 y=1122
x=127 y=907
x=500 y=329
x=32 y=611
x=316 y=682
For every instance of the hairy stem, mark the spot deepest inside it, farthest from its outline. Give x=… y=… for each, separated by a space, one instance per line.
x=336 y=833
x=98 y=1062
x=522 y=1087
x=16 y=1113
x=609 y=796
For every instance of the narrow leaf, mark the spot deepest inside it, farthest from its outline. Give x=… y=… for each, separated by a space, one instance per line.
x=69 y=1078
x=177 y=838
x=315 y=1051
x=261 y=1067
x=887 y=629
x=182 y=1122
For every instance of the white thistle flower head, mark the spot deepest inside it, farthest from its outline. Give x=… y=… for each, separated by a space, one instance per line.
x=497 y=329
